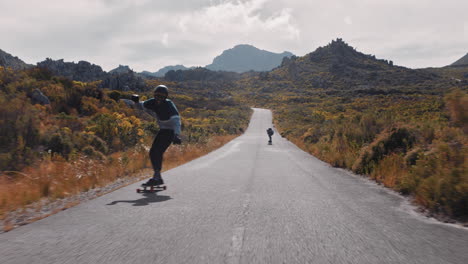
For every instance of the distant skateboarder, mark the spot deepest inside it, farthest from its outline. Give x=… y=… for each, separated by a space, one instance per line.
x=270 y=133
x=169 y=129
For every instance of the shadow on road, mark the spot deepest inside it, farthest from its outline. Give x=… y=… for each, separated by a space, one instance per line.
x=149 y=198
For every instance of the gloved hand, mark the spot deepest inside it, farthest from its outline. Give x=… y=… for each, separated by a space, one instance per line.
x=177 y=140
x=135 y=98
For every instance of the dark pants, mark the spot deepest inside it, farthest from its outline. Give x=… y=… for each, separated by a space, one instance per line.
x=160 y=144
x=269 y=137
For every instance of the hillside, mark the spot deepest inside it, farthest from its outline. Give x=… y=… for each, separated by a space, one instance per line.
x=406 y=129
x=81 y=136
x=338 y=66
x=7 y=60
x=243 y=58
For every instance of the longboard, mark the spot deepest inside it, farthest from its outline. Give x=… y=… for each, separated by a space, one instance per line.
x=151 y=189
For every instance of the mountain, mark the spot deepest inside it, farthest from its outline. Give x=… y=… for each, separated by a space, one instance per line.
x=7 y=60
x=161 y=72
x=243 y=58
x=463 y=61
x=82 y=71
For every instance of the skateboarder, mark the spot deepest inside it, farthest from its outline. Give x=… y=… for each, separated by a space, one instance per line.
x=270 y=133
x=169 y=128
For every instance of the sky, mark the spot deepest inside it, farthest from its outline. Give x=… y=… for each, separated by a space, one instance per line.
x=148 y=35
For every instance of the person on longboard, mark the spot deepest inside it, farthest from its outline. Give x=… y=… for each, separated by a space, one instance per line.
x=169 y=129
x=270 y=133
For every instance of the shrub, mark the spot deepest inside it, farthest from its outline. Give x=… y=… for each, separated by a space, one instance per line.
x=89 y=106
x=60 y=144
x=99 y=144
x=93 y=153
x=457 y=105
x=391 y=171
x=395 y=140
x=115 y=95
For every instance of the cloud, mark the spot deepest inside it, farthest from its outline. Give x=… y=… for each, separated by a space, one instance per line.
x=235 y=18
x=159 y=37
x=348 y=20
x=147 y=34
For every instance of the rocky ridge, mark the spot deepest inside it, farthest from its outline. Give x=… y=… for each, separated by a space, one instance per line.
x=463 y=61
x=82 y=71
x=7 y=60
x=121 y=78
x=340 y=66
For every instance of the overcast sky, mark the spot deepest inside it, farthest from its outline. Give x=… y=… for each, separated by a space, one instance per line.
x=148 y=35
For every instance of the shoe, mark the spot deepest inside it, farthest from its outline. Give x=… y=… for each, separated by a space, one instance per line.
x=153 y=182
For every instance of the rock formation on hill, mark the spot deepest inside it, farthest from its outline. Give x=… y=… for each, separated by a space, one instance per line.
x=7 y=60
x=82 y=71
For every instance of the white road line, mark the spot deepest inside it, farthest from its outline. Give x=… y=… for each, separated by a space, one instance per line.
x=237 y=239
x=236 y=246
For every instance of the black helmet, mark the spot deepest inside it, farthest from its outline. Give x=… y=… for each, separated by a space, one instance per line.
x=161 y=89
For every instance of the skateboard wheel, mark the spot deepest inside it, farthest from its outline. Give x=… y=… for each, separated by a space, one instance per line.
x=164 y=188
x=138 y=190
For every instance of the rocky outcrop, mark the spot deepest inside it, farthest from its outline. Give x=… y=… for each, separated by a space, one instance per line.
x=9 y=61
x=463 y=61
x=128 y=102
x=121 y=69
x=37 y=97
x=124 y=81
x=338 y=66
x=121 y=78
x=82 y=71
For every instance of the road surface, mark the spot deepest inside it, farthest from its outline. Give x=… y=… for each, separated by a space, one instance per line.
x=247 y=202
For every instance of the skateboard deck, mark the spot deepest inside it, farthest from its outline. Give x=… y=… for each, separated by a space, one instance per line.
x=151 y=189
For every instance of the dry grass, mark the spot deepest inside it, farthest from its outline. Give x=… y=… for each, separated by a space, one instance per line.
x=8 y=227
x=55 y=178
x=391 y=171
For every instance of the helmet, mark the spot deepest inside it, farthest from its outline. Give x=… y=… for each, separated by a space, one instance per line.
x=161 y=89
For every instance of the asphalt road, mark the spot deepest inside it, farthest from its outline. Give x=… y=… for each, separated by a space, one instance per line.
x=248 y=202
